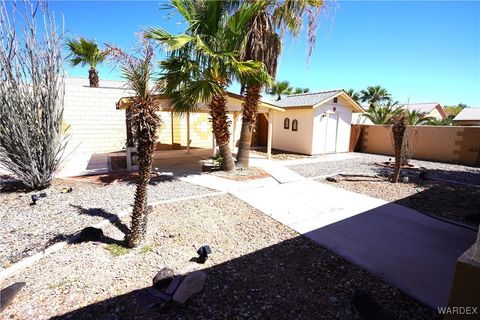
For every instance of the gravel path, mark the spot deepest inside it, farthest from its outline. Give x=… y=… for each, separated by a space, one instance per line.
x=27 y=229
x=259 y=269
x=365 y=164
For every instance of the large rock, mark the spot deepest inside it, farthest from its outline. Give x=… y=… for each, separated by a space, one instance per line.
x=8 y=294
x=190 y=286
x=163 y=278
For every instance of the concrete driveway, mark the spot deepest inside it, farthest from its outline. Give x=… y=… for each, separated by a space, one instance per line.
x=407 y=249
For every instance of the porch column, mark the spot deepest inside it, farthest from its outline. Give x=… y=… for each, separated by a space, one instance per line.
x=188 y=132
x=270 y=134
x=213 y=145
x=234 y=127
x=171 y=126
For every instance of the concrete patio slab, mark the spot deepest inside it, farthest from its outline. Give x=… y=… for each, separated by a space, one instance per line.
x=412 y=251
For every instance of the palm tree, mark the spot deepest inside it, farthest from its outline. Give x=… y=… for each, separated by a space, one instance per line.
x=84 y=51
x=415 y=117
x=374 y=95
x=138 y=72
x=382 y=114
x=440 y=122
x=279 y=89
x=354 y=95
x=203 y=62
x=263 y=44
x=300 y=90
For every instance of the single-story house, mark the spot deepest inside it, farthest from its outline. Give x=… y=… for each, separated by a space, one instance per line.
x=314 y=123
x=432 y=110
x=95 y=121
x=468 y=117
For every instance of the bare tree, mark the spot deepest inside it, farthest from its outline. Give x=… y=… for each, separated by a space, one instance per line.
x=31 y=92
x=399 y=126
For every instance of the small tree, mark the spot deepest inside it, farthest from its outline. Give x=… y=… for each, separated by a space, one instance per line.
x=31 y=93
x=138 y=72
x=399 y=126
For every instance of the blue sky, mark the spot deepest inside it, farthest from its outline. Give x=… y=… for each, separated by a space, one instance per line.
x=420 y=51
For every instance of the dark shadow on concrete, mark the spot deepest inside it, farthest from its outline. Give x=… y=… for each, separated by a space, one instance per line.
x=413 y=251
x=99 y=212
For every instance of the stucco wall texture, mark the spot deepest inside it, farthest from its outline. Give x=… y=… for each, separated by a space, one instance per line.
x=436 y=143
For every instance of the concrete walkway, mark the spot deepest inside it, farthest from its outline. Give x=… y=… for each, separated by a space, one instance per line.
x=407 y=249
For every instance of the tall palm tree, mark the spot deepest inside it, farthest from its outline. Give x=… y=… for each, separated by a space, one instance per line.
x=203 y=61
x=354 y=95
x=382 y=114
x=280 y=89
x=263 y=43
x=138 y=73
x=84 y=51
x=374 y=95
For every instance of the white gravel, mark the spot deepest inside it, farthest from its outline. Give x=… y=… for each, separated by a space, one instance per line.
x=28 y=229
x=364 y=164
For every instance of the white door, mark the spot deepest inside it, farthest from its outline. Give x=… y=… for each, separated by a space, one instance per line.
x=331 y=127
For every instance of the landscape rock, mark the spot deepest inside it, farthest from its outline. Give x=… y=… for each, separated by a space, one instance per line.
x=90 y=234
x=163 y=278
x=191 y=285
x=8 y=294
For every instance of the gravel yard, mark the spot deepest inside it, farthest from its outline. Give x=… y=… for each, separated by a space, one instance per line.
x=259 y=269
x=241 y=174
x=445 y=200
x=457 y=202
x=279 y=154
x=27 y=229
x=365 y=164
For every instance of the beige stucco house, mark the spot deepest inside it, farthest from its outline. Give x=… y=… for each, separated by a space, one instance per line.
x=432 y=110
x=468 y=117
x=314 y=123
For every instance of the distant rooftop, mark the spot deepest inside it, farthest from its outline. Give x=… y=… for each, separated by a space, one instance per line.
x=306 y=99
x=422 y=107
x=468 y=114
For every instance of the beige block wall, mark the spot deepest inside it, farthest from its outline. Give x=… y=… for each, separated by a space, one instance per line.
x=95 y=125
x=436 y=143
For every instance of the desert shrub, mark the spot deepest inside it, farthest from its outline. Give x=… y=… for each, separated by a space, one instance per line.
x=31 y=92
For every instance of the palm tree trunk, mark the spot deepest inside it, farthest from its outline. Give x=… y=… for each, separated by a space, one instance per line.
x=146 y=148
x=250 y=108
x=221 y=130
x=399 y=125
x=93 y=77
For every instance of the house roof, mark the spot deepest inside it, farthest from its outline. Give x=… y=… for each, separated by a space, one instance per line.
x=315 y=99
x=426 y=107
x=233 y=103
x=468 y=114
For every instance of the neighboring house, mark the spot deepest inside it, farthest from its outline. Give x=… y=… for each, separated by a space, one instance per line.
x=314 y=123
x=433 y=110
x=468 y=117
